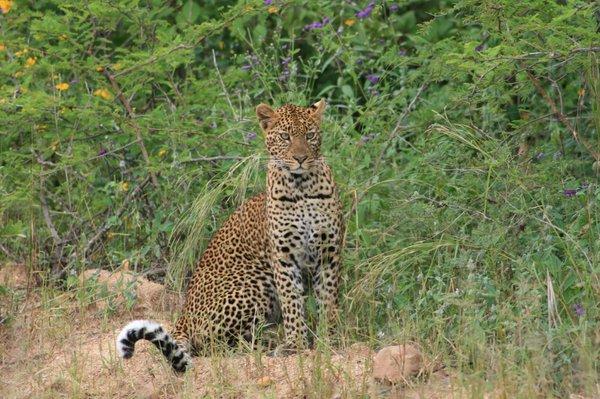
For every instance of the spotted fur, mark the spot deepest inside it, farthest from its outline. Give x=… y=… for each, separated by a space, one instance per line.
x=254 y=268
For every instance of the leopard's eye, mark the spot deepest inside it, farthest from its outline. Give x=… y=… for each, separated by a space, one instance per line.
x=284 y=136
x=310 y=135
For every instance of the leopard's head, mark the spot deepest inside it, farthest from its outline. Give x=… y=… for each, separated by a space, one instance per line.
x=293 y=135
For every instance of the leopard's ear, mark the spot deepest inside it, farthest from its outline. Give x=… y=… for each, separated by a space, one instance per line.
x=265 y=115
x=318 y=108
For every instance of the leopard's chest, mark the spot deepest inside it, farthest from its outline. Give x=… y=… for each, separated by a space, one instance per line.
x=302 y=229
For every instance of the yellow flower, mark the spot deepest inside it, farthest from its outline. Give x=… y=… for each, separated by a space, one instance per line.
x=40 y=127
x=30 y=62
x=100 y=69
x=124 y=186
x=162 y=152
x=349 y=21
x=21 y=52
x=5 y=6
x=63 y=37
x=117 y=66
x=62 y=86
x=103 y=93
x=272 y=10
x=2 y=47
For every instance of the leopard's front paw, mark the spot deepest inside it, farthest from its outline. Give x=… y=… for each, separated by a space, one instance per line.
x=283 y=350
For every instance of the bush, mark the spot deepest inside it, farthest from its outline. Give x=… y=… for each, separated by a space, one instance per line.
x=463 y=134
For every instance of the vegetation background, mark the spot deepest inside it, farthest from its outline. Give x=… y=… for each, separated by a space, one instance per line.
x=464 y=136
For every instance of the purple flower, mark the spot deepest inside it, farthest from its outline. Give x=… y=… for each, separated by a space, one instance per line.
x=252 y=60
x=540 y=155
x=268 y=2
x=372 y=78
x=569 y=193
x=579 y=310
x=312 y=26
x=366 y=138
x=285 y=75
x=480 y=47
x=365 y=12
x=102 y=152
x=317 y=24
x=250 y=136
x=286 y=61
x=394 y=7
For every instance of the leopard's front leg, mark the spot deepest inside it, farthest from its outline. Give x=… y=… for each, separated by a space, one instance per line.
x=290 y=290
x=326 y=284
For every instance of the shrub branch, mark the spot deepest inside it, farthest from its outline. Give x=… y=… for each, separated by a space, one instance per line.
x=136 y=127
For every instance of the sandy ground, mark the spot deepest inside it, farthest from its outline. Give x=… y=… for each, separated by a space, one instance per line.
x=61 y=345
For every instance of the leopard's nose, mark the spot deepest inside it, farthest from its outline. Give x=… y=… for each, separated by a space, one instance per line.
x=300 y=158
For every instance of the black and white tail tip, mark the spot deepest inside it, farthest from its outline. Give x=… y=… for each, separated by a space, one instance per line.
x=149 y=330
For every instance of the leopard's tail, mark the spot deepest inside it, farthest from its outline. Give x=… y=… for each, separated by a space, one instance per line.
x=149 y=330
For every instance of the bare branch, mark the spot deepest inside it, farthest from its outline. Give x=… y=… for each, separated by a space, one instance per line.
x=397 y=128
x=185 y=46
x=393 y=134
x=136 y=127
x=235 y=116
x=212 y=159
x=8 y=253
x=559 y=115
x=105 y=226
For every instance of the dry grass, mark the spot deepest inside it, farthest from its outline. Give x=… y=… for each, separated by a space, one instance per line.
x=59 y=346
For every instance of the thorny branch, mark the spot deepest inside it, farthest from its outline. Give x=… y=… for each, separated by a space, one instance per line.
x=393 y=134
x=184 y=46
x=106 y=225
x=136 y=127
x=58 y=242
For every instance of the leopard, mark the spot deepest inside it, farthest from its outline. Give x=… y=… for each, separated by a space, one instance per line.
x=258 y=266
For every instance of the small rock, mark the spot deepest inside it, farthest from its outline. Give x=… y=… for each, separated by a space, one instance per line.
x=264 y=381
x=396 y=364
